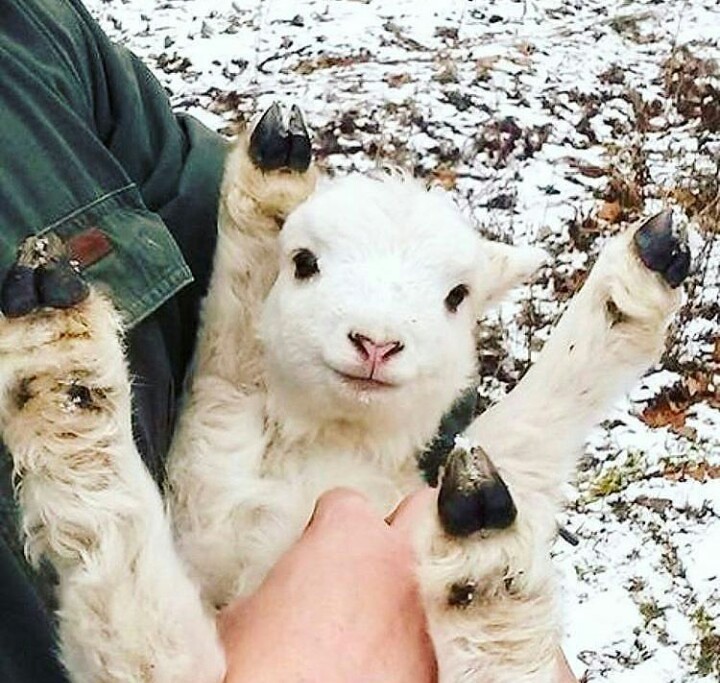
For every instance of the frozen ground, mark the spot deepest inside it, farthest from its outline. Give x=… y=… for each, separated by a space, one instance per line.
x=556 y=122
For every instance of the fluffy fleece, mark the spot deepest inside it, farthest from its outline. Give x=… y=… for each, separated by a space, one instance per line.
x=255 y=450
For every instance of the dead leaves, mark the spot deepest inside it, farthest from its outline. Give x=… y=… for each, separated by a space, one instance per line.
x=326 y=61
x=397 y=80
x=692 y=84
x=506 y=139
x=614 y=75
x=566 y=286
x=583 y=229
x=627 y=191
x=445 y=176
x=670 y=407
x=644 y=110
x=588 y=170
x=223 y=101
x=623 y=197
x=699 y=471
x=611 y=212
x=174 y=63
x=701 y=199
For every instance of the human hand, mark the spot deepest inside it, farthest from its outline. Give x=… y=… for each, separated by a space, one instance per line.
x=341 y=606
x=565 y=674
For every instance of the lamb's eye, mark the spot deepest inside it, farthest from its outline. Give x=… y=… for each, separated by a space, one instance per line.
x=456 y=297
x=306 y=264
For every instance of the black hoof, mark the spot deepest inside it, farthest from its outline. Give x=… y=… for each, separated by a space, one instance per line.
x=300 y=148
x=18 y=295
x=472 y=496
x=661 y=250
x=60 y=286
x=42 y=277
x=276 y=145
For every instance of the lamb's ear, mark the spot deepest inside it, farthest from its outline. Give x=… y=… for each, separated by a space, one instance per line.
x=501 y=267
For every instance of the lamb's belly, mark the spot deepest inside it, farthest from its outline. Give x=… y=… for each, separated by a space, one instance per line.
x=280 y=509
x=383 y=489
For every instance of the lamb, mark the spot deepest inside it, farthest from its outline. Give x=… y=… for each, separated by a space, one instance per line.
x=337 y=331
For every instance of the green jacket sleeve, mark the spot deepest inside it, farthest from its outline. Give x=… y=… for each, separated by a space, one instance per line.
x=88 y=142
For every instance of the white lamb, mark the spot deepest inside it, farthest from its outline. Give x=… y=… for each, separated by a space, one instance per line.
x=329 y=351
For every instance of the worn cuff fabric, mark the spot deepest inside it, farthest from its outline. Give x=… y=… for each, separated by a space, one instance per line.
x=88 y=142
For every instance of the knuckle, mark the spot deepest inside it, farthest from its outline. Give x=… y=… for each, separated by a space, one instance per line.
x=342 y=501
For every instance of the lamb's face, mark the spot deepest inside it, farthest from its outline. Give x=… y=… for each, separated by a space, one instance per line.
x=379 y=289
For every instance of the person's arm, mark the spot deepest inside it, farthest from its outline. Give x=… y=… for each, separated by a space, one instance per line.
x=565 y=674
x=341 y=606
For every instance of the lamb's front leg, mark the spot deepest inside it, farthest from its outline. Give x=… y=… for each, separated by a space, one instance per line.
x=128 y=612
x=485 y=568
x=229 y=522
x=268 y=173
x=610 y=334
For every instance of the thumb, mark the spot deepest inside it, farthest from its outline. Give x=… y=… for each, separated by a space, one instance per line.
x=229 y=617
x=411 y=510
x=344 y=504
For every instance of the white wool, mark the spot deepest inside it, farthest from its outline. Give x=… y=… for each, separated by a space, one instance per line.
x=388 y=252
x=248 y=466
x=128 y=611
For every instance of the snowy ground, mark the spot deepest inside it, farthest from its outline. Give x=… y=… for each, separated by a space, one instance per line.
x=555 y=122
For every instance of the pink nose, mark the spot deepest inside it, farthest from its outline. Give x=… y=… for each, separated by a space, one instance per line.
x=374 y=353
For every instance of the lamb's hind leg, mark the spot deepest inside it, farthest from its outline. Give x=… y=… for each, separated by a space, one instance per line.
x=128 y=613
x=485 y=560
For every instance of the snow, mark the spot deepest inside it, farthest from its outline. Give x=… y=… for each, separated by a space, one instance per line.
x=431 y=85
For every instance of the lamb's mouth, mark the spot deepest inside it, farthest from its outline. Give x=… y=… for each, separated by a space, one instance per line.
x=363 y=383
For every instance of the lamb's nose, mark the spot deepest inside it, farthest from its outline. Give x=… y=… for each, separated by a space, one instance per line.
x=373 y=352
